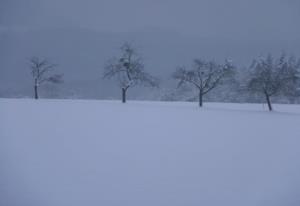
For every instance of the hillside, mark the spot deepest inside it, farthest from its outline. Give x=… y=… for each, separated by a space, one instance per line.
x=76 y=153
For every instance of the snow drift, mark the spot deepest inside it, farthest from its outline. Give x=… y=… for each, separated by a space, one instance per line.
x=77 y=153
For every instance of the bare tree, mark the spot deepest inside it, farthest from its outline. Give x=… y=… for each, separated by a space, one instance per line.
x=271 y=77
x=128 y=70
x=41 y=72
x=205 y=76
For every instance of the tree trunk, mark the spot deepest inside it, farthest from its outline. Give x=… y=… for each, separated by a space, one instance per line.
x=124 y=95
x=200 y=99
x=36 y=95
x=269 y=102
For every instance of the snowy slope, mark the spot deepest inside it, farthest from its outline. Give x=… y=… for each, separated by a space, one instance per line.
x=104 y=153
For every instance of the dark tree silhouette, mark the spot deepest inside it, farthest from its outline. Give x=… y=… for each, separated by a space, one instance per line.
x=41 y=71
x=271 y=77
x=128 y=70
x=205 y=76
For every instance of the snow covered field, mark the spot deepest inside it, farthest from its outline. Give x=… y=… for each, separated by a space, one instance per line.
x=104 y=153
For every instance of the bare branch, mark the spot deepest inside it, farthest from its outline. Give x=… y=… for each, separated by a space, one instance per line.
x=269 y=76
x=128 y=69
x=41 y=69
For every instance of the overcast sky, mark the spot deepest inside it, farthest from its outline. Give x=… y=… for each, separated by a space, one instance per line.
x=167 y=33
x=238 y=18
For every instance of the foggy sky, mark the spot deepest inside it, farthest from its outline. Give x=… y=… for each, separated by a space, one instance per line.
x=236 y=18
x=80 y=35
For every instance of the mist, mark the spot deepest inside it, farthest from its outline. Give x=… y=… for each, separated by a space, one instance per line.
x=149 y=102
x=81 y=35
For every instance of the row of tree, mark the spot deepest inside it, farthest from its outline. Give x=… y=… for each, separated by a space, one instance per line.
x=266 y=77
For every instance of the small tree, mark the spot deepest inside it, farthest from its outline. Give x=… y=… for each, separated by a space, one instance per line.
x=41 y=72
x=205 y=76
x=270 y=77
x=128 y=70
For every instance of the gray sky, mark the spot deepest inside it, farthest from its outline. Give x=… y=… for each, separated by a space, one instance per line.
x=238 y=18
x=80 y=35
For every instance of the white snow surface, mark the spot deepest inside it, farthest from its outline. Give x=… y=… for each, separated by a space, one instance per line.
x=105 y=153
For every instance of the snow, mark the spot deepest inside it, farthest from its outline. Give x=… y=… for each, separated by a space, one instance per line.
x=104 y=153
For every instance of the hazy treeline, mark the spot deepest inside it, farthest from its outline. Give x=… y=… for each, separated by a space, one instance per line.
x=266 y=79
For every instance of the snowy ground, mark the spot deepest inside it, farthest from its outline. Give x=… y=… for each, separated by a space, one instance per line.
x=104 y=153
